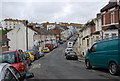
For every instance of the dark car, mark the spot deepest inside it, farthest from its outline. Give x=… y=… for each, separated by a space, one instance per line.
x=41 y=54
x=34 y=52
x=72 y=55
x=61 y=42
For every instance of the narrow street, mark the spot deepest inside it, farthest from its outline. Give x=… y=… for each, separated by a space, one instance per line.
x=55 y=66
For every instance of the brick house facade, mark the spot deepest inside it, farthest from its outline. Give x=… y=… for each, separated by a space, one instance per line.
x=110 y=20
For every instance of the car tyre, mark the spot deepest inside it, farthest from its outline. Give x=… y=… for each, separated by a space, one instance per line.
x=113 y=68
x=67 y=58
x=88 y=65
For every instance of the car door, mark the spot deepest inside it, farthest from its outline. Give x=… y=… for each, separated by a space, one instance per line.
x=9 y=76
x=92 y=54
x=98 y=57
x=15 y=73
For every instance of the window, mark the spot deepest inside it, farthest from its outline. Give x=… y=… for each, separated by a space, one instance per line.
x=93 y=49
x=9 y=76
x=112 y=16
x=106 y=36
x=87 y=42
x=97 y=38
x=21 y=56
x=114 y=35
x=15 y=72
x=8 y=57
x=103 y=19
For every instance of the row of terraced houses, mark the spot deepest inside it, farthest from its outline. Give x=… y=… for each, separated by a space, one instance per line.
x=25 y=35
x=104 y=26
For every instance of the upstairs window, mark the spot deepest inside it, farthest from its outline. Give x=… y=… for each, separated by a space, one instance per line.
x=112 y=16
x=103 y=19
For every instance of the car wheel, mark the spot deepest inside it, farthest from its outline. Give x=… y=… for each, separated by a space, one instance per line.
x=88 y=65
x=76 y=58
x=67 y=58
x=113 y=68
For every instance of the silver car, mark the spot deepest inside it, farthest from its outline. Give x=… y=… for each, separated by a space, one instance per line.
x=9 y=73
x=67 y=50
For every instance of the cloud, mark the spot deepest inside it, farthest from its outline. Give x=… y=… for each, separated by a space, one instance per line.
x=54 y=11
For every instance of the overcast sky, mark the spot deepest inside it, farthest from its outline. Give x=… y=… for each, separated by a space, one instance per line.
x=77 y=11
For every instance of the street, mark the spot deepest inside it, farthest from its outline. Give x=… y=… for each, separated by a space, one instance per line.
x=55 y=66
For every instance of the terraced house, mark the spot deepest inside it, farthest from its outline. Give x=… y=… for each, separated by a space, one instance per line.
x=11 y=23
x=104 y=26
x=110 y=19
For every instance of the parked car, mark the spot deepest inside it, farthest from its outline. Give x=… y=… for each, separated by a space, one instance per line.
x=61 y=42
x=64 y=40
x=16 y=59
x=34 y=52
x=67 y=50
x=105 y=54
x=41 y=54
x=31 y=57
x=55 y=45
x=10 y=73
x=45 y=50
x=72 y=55
x=49 y=45
x=70 y=44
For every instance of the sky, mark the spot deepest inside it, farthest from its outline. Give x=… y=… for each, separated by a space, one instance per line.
x=72 y=11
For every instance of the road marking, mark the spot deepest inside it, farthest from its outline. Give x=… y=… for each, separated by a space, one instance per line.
x=35 y=66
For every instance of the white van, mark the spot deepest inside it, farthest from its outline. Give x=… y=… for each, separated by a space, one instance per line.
x=70 y=44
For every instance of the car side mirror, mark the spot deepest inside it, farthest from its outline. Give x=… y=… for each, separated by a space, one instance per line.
x=29 y=75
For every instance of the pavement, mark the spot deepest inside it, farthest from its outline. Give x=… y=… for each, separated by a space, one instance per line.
x=80 y=57
x=55 y=66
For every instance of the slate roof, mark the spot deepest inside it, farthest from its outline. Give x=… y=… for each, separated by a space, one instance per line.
x=109 y=6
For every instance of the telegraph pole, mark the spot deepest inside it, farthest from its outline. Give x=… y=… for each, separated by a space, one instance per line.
x=26 y=23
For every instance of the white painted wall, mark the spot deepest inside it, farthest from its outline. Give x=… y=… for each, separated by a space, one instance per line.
x=10 y=24
x=50 y=27
x=110 y=32
x=18 y=38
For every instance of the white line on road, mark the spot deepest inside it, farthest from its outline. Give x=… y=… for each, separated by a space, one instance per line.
x=35 y=66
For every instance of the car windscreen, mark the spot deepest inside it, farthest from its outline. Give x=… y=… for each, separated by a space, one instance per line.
x=69 y=49
x=8 y=57
x=33 y=53
x=21 y=56
x=45 y=49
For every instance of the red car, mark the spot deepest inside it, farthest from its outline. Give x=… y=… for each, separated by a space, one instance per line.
x=50 y=46
x=17 y=59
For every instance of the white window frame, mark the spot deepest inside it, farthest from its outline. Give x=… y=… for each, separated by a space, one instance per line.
x=104 y=19
x=112 y=17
